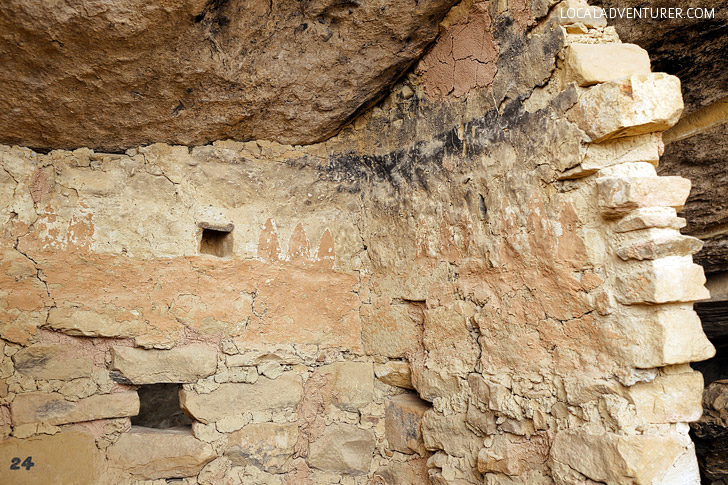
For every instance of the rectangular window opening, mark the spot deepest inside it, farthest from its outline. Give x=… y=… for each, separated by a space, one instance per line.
x=159 y=407
x=217 y=240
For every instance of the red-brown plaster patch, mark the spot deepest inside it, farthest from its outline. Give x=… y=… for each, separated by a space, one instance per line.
x=326 y=255
x=166 y=297
x=299 y=247
x=269 y=249
x=463 y=58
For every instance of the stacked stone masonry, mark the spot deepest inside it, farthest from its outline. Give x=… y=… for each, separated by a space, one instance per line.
x=479 y=281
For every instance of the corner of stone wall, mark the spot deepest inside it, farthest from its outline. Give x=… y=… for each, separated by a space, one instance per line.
x=644 y=309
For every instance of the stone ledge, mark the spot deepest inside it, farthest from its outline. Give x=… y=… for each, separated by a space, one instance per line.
x=344 y=449
x=675 y=398
x=150 y=454
x=641 y=148
x=589 y=64
x=51 y=408
x=654 y=244
x=649 y=217
x=268 y=446
x=617 y=459
x=664 y=280
x=627 y=107
x=656 y=337
x=394 y=373
x=51 y=362
x=80 y=322
x=620 y=195
x=179 y=365
x=229 y=399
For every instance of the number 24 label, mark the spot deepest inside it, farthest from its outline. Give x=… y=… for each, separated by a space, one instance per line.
x=27 y=463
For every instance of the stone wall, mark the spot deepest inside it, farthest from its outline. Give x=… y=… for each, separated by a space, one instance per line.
x=480 y=280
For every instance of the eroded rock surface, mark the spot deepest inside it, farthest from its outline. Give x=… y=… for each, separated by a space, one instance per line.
x=711 y=432
x=115 y=74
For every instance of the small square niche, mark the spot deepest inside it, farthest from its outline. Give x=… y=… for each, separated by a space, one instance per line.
x=217 y=239
x=159 y=407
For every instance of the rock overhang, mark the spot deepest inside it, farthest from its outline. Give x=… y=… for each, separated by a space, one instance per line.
x=113 y=75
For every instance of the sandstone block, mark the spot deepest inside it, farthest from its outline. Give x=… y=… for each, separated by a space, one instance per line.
x=649 y=217
x=402 y=420
x=449 y=433
x=66 y=457
x=89 y=323
x=667 y=335
x=394 y=373
x=494 y=396
x=675 y=398
x=631 y=149
x=228 y=424
x=589 y=64
x=684 y=470
x=181 y=364
x=615 y=458
x=271 y=370
x=483 y=422
x=150 y=454
x=656 y=243
x=343 y=449
x=620 y=195
x=51 y=408
x=51 y=362
x=230 y=399
x=490 y=461
x=353 y=384
x=80 y=388
x=630 y=106
x=267 y=446
x=434 y=383
x=237 y=374
x=664 y=280
x=582 y=389
x=520 y=427
x=512 y=455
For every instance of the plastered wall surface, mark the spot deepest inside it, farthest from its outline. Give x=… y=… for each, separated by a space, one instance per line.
x=480 y=280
